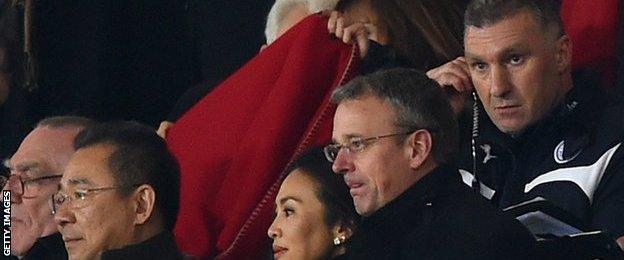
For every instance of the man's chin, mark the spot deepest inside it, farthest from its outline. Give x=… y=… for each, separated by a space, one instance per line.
x=20 y=247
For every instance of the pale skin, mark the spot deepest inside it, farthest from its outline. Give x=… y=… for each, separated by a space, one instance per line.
x=519 y=69
x=385 y=168
x=106 y=219
x=299 y=230
x=44 y=152
x=358 y=25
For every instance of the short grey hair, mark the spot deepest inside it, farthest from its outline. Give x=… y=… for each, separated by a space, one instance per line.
x=65 y=122
x=419 y=103
x=281 y=8
x=482 y=13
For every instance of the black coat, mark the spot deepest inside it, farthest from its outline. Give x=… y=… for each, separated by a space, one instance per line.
x=49 y=248
x=161 y=246
x=440 y=218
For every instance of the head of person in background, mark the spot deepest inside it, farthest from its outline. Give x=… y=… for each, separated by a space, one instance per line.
x=32 y=175
x=285 y=14
x=315 y=216
x=119 y=195
x=424 y=34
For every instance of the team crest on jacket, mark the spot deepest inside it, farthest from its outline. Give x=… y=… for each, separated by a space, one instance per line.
x=559 y=155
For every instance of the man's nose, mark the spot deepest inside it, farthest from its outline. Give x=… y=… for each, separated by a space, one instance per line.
x=63 y=216
x=342 y=163
x=499 y=85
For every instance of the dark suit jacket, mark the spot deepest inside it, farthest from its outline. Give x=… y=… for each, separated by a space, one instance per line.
x=440 y=218
x=49 y=248
x=161 y=246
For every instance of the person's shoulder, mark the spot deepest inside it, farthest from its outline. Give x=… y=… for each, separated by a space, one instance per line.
x=474 y=216
x=466 y=226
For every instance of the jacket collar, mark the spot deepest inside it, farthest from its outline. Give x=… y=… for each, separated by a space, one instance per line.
x=421 y=194
x=161 y=246
x=48 y=247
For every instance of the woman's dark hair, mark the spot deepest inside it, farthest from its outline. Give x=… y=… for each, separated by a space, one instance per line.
x=426 y=33
x=331 y=190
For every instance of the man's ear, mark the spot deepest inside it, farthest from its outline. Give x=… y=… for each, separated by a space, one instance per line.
x=145 y=199
x=420 y=147
x=564 y=54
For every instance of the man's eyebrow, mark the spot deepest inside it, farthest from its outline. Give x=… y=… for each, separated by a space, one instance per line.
x=514 y=48
x=27 y=166
x=79 y=181
x=472 y=57
x=347 y=137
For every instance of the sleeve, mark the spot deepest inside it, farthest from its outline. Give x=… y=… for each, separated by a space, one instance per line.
x=608 y=204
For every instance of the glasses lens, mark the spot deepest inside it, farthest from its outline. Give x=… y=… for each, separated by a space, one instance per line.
x=331 y=151
x=57 y=201
x=14 y=183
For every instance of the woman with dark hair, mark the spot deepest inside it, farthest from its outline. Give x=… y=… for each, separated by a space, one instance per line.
x=422 y=34
x=315 y=216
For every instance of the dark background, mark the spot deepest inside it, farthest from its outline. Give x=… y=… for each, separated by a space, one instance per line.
x=124 y=59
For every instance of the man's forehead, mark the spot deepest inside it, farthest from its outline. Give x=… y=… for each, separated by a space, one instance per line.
x=47 y=146
x=358 y=117
x=518 y=26
x=88 y=166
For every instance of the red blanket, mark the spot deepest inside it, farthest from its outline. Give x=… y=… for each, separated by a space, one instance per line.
x=234 y=145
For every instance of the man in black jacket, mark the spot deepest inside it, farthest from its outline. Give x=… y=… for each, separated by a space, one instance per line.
x=544 y=134
x=393 y=136
x=119 y=195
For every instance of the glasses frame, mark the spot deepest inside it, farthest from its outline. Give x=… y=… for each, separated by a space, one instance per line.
x=84 y=197
x=4 y=180
x=350 y=147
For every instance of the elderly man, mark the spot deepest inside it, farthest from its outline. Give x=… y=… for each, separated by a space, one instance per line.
x=35 y=170
x=393 y=135
x=119 y=195
x=543 y=133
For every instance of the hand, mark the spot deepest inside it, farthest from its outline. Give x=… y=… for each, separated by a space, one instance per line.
x=163 y=128
x=454 y=77
x=350 y=32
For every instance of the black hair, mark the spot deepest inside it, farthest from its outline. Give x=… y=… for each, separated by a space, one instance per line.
x=139 y=157
x=332 y=191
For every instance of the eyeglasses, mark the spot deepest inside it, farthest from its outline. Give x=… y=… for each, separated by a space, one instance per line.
x=78 y=197
x=354 y=145
x=26 y=187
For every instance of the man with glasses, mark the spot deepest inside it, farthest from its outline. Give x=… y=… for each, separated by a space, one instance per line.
x=32 y=175
x=393 y=136
x=119 y=195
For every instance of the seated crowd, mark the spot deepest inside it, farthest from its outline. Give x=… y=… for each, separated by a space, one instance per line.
x=428 y=147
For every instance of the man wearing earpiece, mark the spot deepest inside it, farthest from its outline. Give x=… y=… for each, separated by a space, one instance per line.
x=548 y=135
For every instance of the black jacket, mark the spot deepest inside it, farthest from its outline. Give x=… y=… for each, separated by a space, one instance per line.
x=50 y=248
x=573 y=158
x=439 y=218
x=161 y=246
